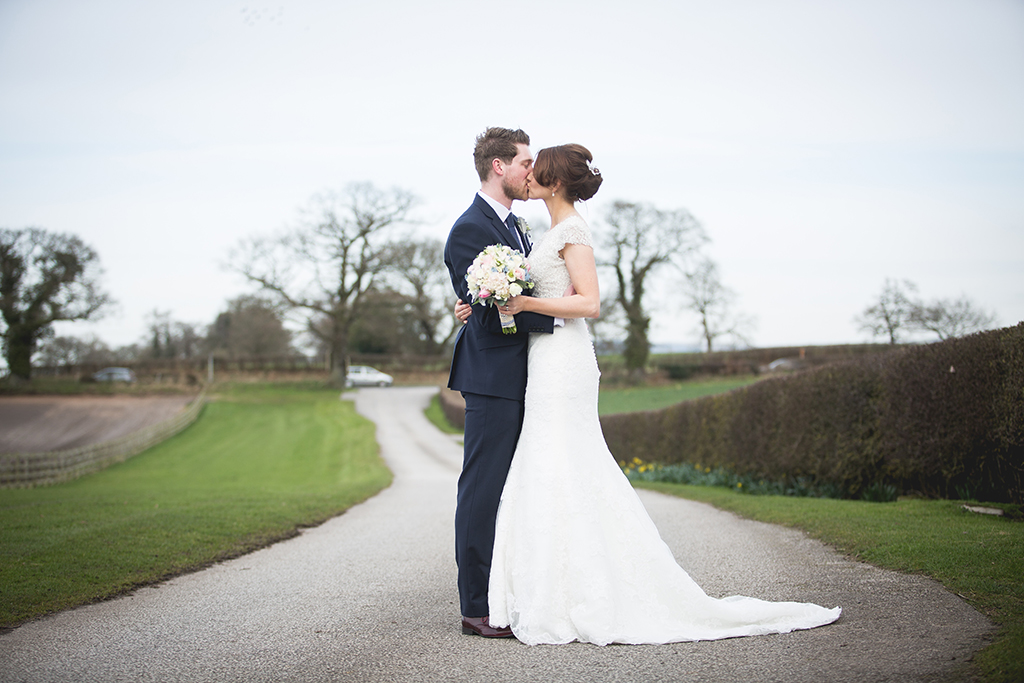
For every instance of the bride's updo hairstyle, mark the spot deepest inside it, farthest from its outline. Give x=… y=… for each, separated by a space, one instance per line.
x=569 y=164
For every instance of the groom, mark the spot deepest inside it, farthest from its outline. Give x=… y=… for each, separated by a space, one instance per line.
x=488 y=367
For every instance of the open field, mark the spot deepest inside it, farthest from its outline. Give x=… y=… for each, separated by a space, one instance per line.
x=634 y=399
x=33 y=424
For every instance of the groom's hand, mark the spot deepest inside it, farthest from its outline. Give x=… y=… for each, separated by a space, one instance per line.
x=463 y=311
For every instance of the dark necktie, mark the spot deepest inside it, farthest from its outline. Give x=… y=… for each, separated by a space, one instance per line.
x=510 y=223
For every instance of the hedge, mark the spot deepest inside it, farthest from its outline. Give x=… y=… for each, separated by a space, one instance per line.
x=943 y=420
x=454 y=407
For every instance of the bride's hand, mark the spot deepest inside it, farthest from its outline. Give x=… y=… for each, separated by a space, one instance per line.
x=463 y=311
x=516 y=304
x=569 y=291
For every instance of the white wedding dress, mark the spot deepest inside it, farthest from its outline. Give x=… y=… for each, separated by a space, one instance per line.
x=576 y=557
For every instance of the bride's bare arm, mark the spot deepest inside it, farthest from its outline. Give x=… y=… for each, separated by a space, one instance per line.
x=584 y=303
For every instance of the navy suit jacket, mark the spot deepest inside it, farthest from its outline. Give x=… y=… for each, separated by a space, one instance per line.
x=487 y=361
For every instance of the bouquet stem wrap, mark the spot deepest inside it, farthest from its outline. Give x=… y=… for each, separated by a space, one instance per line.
x=508 y=322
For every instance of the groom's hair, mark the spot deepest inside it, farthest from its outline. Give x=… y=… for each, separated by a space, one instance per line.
x=496 y=143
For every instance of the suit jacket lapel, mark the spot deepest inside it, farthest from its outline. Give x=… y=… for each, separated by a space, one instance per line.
x=500 y=229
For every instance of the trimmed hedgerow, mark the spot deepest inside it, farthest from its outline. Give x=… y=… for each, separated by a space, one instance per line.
x=943 y=420
x=454 y=407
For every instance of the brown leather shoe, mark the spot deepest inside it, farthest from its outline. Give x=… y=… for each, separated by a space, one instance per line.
x=478 y=626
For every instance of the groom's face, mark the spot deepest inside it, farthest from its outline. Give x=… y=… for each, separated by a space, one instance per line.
x=514 y=180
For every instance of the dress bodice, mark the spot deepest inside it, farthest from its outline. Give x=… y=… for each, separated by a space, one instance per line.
x=546 y=264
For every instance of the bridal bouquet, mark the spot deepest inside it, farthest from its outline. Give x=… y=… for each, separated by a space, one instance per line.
x=499 y=273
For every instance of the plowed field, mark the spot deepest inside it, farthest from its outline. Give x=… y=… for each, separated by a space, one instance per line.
x=30 y=424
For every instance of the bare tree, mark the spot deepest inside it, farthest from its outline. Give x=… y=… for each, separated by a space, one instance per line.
x=389 y=325
x=892 y=312
x=325 y=267
x=169 y=338
x=949 y=318
x=705 y=295
x=609 y=328
x=642 y=240
x=60 y=352
x=251 y=326
x=413 y=265
x=44 y=278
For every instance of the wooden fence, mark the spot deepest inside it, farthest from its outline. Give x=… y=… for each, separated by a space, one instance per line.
x=196 y=370
x=19 y=470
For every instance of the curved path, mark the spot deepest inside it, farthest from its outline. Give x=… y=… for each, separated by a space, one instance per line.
x=370 y=596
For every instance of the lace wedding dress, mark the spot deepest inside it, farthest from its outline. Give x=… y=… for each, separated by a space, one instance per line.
x=576 y=557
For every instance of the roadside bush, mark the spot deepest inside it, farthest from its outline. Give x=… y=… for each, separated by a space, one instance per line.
x=454 y=407
x=934 y=419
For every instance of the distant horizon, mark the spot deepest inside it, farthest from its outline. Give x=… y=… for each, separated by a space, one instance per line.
x=656 y=349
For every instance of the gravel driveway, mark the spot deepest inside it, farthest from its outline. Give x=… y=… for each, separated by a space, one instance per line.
x=371 y=596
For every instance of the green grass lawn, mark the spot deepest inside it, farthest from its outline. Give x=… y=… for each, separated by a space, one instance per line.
x=634 y=399
x=980 y=557
x=260 y=462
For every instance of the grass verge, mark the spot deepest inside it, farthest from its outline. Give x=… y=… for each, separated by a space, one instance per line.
x=979 y=557
x=634 y=399
x=261 y=462
x=436 y=415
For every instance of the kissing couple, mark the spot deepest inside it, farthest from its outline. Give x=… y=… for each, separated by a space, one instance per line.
x=551 y=541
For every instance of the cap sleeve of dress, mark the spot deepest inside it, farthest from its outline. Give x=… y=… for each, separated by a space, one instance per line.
x=573 y=230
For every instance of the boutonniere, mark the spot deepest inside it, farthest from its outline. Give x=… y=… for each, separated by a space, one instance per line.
x=524 y=227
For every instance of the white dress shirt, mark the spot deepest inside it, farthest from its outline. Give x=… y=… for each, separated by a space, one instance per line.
x=503 y=213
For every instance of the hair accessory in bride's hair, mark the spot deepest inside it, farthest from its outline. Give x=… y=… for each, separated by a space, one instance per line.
x=593 y=170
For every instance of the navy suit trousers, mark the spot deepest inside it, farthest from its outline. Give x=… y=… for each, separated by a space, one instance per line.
x=492 y=430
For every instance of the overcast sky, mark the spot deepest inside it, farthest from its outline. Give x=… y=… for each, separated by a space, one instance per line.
x=824 y=145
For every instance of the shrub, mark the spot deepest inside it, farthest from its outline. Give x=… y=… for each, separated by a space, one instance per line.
x=454 y=407
x=932 y=419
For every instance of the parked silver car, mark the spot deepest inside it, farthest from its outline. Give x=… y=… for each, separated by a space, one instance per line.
x=365 y=376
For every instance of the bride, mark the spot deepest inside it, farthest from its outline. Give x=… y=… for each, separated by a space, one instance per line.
x=576 y=557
